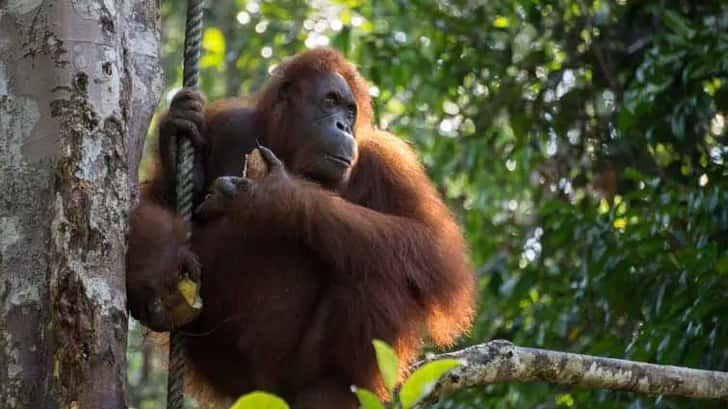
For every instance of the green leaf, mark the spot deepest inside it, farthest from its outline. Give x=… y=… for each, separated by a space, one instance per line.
x=213 y=44
x=501 y=22
x=387 y=362
x=367 y=399
x=260 y=400
x=678 y=24
x=342 y=41
x=421 y=382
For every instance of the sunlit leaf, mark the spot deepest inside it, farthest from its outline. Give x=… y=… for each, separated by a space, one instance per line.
x=387 y=362
x=367 y=399
x=620 y=223
x=213 y=44
x=421 y=382
x=501 y=22
x=259 y=400
x=565 y=399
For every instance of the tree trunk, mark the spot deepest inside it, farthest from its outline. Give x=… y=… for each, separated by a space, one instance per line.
x=79 y=81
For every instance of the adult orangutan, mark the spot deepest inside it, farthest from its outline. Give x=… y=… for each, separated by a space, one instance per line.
x=344 y=240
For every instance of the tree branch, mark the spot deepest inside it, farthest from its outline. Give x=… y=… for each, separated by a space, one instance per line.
x=500 y=361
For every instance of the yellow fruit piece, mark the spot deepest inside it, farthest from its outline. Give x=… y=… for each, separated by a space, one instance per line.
x=256 y=167
x=188 y=289
x=185 y=304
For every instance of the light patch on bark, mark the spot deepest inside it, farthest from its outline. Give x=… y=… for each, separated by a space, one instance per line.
x=79 y=57
x=104 y=71
x=93 y=10
x=80 y=260
x=145 y=43
x=596 y=371
x=107 y=73
x=97 y=289
x=23 y=295
x=111 y=7
x=12 y=352
x=10 y=234
x=3 y=74
x=90 y=168
x=573 y=366
x=21 y=263
x=22 y=6
x=18 y=117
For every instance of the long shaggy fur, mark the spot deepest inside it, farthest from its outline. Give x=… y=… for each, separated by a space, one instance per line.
x=298 y=279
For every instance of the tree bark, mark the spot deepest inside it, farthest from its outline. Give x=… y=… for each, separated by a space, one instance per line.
x=79 y=81
x=500 y=361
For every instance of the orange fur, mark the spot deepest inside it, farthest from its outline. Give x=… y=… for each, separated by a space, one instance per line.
x=298 y=279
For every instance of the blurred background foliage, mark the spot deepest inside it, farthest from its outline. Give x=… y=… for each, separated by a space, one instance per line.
x=582 y=144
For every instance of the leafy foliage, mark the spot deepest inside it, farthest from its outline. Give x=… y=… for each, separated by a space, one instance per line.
x=582 y=143
x=416 y=387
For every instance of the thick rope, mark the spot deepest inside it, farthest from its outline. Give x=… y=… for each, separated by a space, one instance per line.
x=184 y=193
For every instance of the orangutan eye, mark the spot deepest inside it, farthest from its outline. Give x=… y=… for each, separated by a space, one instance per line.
x=330 y=100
